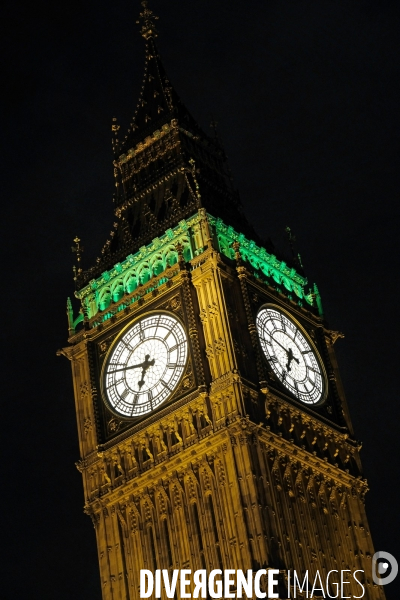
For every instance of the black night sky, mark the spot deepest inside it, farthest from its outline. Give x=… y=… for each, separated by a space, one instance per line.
x=306 y=96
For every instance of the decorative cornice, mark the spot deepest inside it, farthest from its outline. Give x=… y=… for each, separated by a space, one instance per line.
x=125 y=279
x=259 y=259
x=147 y=142
x=285 y=447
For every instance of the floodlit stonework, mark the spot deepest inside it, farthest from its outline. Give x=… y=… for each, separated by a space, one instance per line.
x=231 y=470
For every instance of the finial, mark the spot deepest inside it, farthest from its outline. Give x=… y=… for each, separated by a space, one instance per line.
x=291 y=238
x=181 y=258
x=296 y=256
x=70 y=315
x=114 y=128
x=147 y=18
x=78 y=249
x=318 y=301
x=236 y=248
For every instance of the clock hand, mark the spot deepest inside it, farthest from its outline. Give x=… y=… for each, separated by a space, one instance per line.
x=145 y=364
x=126 y=368
x=281 y=345
x=291 y=357
x=289 y=354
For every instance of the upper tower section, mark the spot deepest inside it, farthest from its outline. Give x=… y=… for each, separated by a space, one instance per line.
x=165 y=167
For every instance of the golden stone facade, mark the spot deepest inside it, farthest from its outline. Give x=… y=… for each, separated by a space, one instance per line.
x=202 y=483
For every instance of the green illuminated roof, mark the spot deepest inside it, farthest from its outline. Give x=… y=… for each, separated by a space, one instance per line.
x=155 y=258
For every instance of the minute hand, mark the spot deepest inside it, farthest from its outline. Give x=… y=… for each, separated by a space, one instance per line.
x=126 y=368
x=279 y=344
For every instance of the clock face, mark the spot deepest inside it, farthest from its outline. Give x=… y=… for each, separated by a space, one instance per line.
x=292 y=357
x=144 y=365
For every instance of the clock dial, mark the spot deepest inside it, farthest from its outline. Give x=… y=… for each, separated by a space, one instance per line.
x=292 y=357
x=145 y=364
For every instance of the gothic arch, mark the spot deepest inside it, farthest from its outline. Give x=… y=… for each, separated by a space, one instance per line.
x=117 y=290
x=157 y=264
x=130 y=282
x=191 y=488
x=170 y=256
x=287 y=283
x=104 y=299
x=144 y=274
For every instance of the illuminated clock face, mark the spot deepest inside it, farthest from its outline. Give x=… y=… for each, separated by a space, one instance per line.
x=292 y=357
x=145 y=365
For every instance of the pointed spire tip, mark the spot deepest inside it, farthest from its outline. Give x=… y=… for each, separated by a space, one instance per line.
x=147 y=18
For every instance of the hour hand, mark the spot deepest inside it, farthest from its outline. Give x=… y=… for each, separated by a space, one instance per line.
x=281 y=345
x=145 y=365
x=291 y=357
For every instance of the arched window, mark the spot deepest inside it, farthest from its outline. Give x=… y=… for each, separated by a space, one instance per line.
x=215 y=529
x=152 y=548
x=167 y=543
x=197 y=530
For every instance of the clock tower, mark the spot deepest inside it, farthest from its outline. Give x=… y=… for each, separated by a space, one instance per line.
x=213 y=427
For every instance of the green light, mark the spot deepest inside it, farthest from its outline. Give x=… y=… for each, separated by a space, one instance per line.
x=152 y=260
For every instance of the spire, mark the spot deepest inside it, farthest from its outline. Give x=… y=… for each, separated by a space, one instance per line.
x=165 y=167
x=158 y=101
x=155 y=101
x=147 y=18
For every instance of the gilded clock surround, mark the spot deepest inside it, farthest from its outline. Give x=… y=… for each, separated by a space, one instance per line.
x=231 y=471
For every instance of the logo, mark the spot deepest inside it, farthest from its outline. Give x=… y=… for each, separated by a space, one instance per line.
x=384 y=568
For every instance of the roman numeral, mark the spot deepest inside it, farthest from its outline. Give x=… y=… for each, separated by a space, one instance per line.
x=135 y=400
x=126 y=344
x=165 y=385
x=169 y=332
x=158 y=322
x=176 y=346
